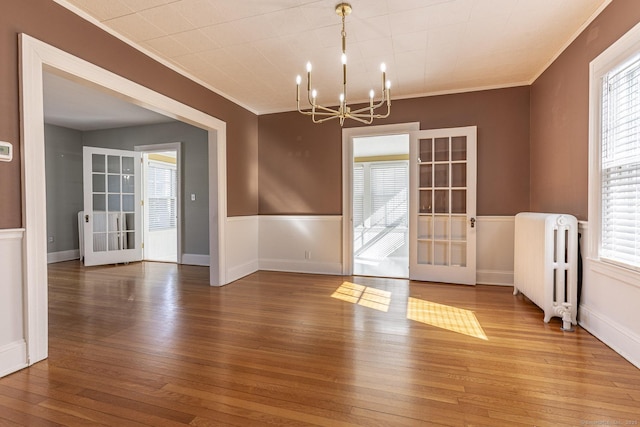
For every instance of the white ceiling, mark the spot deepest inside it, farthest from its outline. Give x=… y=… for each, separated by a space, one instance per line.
x=78 y=106
x=251 y=50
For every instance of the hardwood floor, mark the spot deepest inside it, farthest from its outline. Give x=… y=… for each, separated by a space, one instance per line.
x=153 y=344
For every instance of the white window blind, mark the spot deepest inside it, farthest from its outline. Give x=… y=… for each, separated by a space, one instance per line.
x=358 y=195
x=389 y=194
x=620 y=163
x=162 y=193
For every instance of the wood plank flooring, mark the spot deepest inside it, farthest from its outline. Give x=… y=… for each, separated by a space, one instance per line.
x=152 y=344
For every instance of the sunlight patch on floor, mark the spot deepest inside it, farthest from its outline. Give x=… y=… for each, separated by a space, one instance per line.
x=446 y=317
x=364 y=296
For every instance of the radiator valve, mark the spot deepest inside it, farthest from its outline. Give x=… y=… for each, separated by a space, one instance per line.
x=566 y=317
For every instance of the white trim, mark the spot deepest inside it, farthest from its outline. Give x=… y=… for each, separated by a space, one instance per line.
x=12 y=357
x=150 y=54
x=242 y=246
x=239 y=271
x=620 y=339
x=61 y=256
x=308 y=267
x=324 y=218
x=169 y=146
x=348 y=135
x=617 y=273
x=494 y=277
x=497 y=218
x=11 y=233
x=195 y=259
x=35 y=56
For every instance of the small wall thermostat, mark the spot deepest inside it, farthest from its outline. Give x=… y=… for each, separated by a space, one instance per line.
x=6 y=151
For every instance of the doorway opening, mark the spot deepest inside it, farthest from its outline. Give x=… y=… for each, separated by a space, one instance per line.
x=162 y=203
x=380 y=192
x=36 y=58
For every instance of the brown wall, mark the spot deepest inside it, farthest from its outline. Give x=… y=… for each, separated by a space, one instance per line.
x=560 y=115
x=53 y=24
x=300 y=163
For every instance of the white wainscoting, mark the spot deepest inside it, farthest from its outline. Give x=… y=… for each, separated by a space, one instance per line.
x=494 y=250
x=303 y=244
x=312 y=244
x=13 y=346
x=241 y=246
x=609 y=304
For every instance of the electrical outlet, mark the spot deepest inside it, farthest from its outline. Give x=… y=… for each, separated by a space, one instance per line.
x=193 y=197
x=50 y=239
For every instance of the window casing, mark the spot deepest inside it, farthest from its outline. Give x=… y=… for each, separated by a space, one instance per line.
x=614 y=170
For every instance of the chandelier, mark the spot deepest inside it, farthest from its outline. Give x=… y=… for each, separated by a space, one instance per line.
x=365 y=114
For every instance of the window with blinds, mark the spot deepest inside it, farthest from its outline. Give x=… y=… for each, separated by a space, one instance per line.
x=162 y=191
x=380 y=194
x=620 y=164
x=389 y=194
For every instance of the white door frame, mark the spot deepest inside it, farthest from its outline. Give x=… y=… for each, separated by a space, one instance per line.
x=348 y=135
x=169 y=146
x=35 y=56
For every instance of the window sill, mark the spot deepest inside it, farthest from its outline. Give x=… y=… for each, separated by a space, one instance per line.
x=621 y=274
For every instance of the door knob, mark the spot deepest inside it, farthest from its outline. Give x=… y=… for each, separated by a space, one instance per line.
x=473 y=222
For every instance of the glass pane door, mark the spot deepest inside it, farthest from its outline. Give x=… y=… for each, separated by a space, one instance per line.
x=443 y=212
x=112 y=216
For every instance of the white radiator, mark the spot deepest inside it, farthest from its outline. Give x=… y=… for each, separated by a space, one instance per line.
x=546 y=263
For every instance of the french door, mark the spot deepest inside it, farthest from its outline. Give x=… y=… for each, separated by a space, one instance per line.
x=442 y=205
x=112 y=214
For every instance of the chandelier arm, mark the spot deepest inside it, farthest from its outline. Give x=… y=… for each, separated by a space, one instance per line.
x=361 y=120
x=363 y=109
x=328 y=110
x=375 y=116
x=319 y=113
x=375 y=107
x=323 y=120
x=381 y=103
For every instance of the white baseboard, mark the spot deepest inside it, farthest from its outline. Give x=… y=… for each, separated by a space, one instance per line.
x=195 y=259
x=620 y=339
x=62 y=256
x=494 y=277
x=13 y=357
x=292 y=266
x=240 y=271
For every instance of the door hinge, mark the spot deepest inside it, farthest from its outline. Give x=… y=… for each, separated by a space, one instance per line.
x=141 y=202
